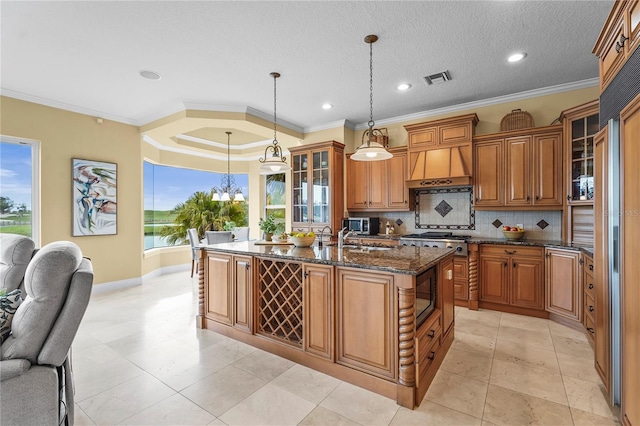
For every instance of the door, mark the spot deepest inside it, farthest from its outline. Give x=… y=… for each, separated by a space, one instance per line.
x=218 y=294
x=358 y=187
x=527 y=286
x=242 y=292
x=318 y=309
x=563 y=284
x=518 y=167
x=397 y=191
x=493 y=279
x=487 y=174
x=547 y=170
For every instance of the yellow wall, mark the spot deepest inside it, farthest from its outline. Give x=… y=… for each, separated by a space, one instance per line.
x=64 y=135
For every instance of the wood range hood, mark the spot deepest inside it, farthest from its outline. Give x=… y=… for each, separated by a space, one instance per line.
x=440 y=167
x=440 y=152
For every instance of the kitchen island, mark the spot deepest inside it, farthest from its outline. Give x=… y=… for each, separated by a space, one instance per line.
x=360 y=314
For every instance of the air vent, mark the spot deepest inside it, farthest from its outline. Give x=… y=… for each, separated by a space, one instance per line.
x=440 y=77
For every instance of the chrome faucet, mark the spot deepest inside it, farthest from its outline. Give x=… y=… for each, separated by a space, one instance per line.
x=342 y=236
x=322 y=234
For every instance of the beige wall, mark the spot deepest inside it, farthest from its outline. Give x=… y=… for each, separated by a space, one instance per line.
x=64 y=135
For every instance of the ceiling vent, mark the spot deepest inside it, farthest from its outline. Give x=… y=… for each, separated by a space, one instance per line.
x=440 y=77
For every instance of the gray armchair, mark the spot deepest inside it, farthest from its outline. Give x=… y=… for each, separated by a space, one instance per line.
x=215 y=237
x=15 y=253
x=35 y=361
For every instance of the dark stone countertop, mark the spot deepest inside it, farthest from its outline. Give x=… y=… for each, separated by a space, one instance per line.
x=533 y=243
x=398 y=260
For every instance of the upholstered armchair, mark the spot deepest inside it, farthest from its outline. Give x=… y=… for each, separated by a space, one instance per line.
x=15 y=253
x=35 y=362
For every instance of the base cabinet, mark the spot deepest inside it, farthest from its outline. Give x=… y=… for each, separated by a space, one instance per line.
x=228 y=291
x=564 y=283
x=318 y=310
x=461 y=280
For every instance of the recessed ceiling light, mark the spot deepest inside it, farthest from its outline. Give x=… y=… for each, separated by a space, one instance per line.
x=150 y=75
x=327 y=106
x=404 y=86
x=517 y=57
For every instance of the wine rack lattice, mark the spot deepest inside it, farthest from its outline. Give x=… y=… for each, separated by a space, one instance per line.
x=280 y=301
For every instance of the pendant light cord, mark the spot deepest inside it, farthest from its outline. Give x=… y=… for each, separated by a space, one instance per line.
x=275 y=76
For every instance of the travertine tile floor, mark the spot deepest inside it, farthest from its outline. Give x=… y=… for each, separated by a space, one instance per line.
x=139 y=360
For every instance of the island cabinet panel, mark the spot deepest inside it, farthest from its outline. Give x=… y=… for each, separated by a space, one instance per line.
x=364 y=308
x=445 y=276
x=218 y=297
x=494 y=279
x=563 y=283
x=461 y=280
x=242 y=292
x=318 y=310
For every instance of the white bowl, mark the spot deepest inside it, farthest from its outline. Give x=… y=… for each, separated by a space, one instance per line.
x=302 y=241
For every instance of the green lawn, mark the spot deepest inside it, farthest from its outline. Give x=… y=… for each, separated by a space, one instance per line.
x=158 y=216
x=16 y=229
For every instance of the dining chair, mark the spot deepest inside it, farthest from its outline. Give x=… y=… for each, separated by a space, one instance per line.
x=215 y=237
x=241 y=233
x=193 y=241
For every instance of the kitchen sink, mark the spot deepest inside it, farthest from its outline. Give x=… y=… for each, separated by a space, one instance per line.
x=367 y=249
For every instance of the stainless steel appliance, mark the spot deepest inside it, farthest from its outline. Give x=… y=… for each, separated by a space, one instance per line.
x=362 y=225
x=437 y=240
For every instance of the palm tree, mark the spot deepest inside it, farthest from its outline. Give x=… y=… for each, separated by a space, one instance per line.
x=203 y=214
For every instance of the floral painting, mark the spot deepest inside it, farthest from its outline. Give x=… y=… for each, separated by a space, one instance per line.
x=94 y=198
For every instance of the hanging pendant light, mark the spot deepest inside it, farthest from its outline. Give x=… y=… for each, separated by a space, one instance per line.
x=228 y=184
x=274 y=162
x=371 y=150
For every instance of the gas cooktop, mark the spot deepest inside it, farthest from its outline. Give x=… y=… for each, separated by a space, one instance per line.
x=437 y=236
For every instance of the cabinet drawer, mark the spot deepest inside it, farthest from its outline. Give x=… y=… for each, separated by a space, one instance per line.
x=590 y=326
x=455 y=133
x=428 y=334
x=589 y=305
x=508 y=250
x=423 y=365
x=423 y=138
x=588 y=265
x=589 y=286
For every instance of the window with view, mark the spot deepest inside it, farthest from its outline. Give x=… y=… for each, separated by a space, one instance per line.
x=176 y=198
x=18 y=187
x=275 y=197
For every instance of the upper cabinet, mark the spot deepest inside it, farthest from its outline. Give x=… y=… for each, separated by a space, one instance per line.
x=519 y=169
x=618 y=40
x=378 y=185
x=317 y=198
x=440 y=152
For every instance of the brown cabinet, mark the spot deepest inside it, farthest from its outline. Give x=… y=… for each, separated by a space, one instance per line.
x=228 y=292
x=461 y=280
x=519 y=169
x=564 y=283
x=318 y=310
x=511 y=278
x=378 y=185
x=364 y=306
x=318 y=185
x=445 y=278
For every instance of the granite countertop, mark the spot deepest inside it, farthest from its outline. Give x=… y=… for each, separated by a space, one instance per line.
x=399 y=260
x=535 y=243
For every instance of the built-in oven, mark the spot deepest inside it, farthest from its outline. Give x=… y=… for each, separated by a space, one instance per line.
x=426 y=297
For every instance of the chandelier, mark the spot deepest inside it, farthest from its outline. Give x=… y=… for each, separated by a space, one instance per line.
x=371 y=150
x=228 y=183
x=275 y=162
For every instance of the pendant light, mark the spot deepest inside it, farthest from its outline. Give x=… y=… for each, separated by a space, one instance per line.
x=275 y=162
x=228 y=184
x=371 y=150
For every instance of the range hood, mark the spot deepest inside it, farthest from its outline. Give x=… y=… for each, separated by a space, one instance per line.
x=440 y=167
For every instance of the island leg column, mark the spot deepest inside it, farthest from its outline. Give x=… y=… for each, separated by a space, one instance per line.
x=473 y=276
x=201 y=254
x=406 y=344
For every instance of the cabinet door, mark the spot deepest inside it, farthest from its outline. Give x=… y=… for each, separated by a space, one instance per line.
x=611 y=59
x=319 y=188
x=242 y=292
x=377 y=184
x=547 y=170
x=527 y=284
x=300 y=188
x=487 y=174
x=493 y=279
x=364 y=306
x=461 y=278
x=318 y=310
x=218 y=297
x=518 y=164
x=446 y=284
x=633 y=26
x=423 y=138
x=563 y=284
x=357 y=185
x=397 y=191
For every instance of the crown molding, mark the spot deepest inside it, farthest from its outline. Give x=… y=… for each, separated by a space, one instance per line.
x=224 y=145
x=331 y=125
x=551 y=90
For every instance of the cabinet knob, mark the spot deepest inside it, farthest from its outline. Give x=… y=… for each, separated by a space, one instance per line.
x=568 y=197
x=591 y=308
x=591 y=330
x=620 y=43
x=246 y=265
x=306 y=274
x=537 y=198
x=590 y=286
x=431 y=333
x=514 y=264
x=591 y=267
x=505 y=264
x=547 y=255
x=528 y=198
x=432 y=355
x=510 y=252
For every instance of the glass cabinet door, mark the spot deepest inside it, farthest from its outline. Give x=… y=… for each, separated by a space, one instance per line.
x=300 y=188
x=321 y=187
x=582 y=132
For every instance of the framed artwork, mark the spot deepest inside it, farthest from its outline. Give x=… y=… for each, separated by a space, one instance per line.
x=94 y=198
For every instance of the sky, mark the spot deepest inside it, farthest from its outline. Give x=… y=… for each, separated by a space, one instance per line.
x=173 y=185
x=15 y=173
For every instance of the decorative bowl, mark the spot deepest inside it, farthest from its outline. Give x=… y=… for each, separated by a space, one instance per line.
x=277 y=239
x=302 y=241
x=513 y=235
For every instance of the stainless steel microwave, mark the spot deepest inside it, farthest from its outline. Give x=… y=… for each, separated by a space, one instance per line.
x=362 y=225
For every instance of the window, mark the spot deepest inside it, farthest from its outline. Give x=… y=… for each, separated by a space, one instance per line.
x=275 y=197
x=19 y=187
x=166 y=187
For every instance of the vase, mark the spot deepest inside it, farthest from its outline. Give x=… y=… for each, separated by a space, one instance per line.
x=267 y=236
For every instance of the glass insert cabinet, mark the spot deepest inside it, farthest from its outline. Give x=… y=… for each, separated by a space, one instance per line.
x=581 y=125
x=317 y=194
